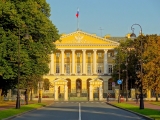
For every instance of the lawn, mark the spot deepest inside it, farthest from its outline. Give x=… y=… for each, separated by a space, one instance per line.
x=148 y=112
x=12 y=111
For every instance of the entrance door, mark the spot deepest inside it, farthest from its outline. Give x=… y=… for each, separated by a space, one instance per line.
x=78 y=87
x=60 y=94
x=95 y=93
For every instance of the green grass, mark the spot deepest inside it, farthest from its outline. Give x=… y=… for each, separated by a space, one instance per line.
x=148 y=112
x=12 y=111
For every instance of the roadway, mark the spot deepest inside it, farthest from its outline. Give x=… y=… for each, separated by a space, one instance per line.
x=79 y=111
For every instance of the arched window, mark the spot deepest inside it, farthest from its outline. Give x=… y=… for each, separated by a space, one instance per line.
x=110 y=84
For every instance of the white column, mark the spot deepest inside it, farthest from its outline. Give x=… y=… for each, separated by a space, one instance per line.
x=62 y=62
x=91 y=93
x=73 y=61
x=100 y=93
x=94 y=62
x=84 y=61
x=65 y=93
x=105 y=62
x=52 y=64
x=55 y=92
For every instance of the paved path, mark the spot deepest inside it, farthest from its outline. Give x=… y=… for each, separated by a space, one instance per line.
x=79 y=111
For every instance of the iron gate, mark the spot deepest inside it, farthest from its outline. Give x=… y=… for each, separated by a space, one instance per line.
x=78 y=95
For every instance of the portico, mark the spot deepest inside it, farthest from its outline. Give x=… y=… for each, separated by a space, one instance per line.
x=83 y=59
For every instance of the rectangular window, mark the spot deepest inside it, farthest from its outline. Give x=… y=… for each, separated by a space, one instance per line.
x=57 y=54
x=89 y=54
x=89 y=69
x=78 y=68
x=99 y=69
x=100 y=55
x=110 y=67
x=57 y=68
x=109 y=85
x=78 y=54
x=110 y=54
x=67 y=55
x=67 y=68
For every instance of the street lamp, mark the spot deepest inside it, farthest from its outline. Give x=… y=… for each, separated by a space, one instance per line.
x=141 y=67
x=40 y=85
x=19 y=62
x=127 y=76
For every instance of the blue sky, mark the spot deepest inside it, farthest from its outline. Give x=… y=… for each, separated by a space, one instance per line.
x=115 y=17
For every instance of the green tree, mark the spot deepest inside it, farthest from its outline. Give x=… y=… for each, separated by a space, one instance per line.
x=125 y=61
x=18 y=19
x=151 y=64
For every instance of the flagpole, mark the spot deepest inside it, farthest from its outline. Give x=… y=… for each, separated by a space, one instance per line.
x=77 y=24
x=77 y=15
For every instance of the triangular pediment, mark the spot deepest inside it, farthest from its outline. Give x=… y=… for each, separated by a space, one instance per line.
x=80 y=37
x=96 y=80
x=60 y=80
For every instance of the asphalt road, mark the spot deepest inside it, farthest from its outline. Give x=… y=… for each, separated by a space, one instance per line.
x=79 y=111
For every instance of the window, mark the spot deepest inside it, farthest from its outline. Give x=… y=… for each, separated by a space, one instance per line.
x=100 y=55
x=67 y=68
x=57 y=54
x=110 y=54
x=89 y=69
x=78 y=68
x=57 y=68
x=110 y=68
x=109 y=85
x=99 y=70
x=89 y=54
x=68 y=55
x=78 y=54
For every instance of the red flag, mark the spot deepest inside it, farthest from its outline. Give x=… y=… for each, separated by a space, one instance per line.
x=77 y=14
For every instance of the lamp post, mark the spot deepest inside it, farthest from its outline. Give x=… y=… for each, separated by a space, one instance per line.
x=127 y=77
x=40 y=84
x=141 y=67
x=18 y=92
x=19 y=62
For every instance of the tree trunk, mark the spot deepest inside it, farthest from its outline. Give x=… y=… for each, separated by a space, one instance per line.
x=31 y=95
x=156 y=97
x=26 y=96
x=0 y=94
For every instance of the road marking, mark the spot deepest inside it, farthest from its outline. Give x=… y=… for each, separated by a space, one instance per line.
x=79 y=111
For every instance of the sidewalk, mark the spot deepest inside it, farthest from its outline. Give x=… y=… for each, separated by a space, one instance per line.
x=146 y=104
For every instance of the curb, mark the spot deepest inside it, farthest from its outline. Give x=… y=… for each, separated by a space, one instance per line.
x=12 y=117
x=146 y=117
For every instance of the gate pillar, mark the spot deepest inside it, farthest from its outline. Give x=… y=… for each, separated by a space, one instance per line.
x=100 y=93
x=148 y=94
x=65 y=93
x=56 y=93
x=91 y=93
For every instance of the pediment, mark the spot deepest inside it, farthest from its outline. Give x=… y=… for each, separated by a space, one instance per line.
x=80 y=37
x=60 y=80
x=96 y=80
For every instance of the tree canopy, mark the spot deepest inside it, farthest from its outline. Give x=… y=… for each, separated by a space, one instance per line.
x=145 y=50
x=25 y=23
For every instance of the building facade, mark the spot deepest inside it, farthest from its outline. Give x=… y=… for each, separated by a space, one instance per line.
x=81 y=67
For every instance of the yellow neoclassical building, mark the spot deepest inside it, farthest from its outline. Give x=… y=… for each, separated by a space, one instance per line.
x=81 y=67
